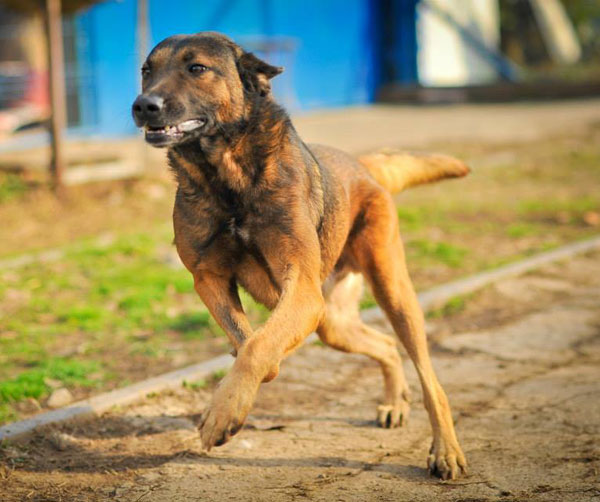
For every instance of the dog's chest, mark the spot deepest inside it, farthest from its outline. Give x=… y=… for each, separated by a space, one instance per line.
x=239 y=230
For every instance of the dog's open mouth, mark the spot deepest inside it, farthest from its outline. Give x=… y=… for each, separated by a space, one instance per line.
x=168 y=133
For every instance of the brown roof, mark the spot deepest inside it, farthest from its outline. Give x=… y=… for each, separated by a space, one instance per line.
x=28 y=6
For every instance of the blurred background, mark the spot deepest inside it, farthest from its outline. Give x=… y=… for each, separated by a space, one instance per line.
x=336 y=53
x=92 y=294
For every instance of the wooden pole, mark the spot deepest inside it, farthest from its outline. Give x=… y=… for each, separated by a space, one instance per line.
x=142 y=32
x=56 y=67
x=143 y=35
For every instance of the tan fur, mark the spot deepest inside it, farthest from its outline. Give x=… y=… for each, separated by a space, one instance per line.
x=343 y=330
x=397 y=172
x=298 y=227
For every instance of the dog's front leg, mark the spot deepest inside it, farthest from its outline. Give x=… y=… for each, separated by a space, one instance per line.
x=298 y=312
x=220 y=295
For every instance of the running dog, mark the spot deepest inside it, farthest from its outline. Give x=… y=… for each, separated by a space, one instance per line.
x=297 y=226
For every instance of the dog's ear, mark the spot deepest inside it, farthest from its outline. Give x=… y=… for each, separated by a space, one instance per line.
x=255 y=73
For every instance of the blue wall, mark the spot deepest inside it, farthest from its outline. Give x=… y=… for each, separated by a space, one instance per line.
x=109 y=29
x=332 y=64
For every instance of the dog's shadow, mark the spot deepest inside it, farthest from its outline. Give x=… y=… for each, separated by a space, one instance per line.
x=110 y=427
x=68 y=448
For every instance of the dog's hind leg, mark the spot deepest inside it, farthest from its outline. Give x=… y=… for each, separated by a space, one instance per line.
x=378 y=250
x=342 y=329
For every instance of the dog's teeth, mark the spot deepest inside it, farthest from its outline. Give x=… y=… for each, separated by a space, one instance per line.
x=189 y=125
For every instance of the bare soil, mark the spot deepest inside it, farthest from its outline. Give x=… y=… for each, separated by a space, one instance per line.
x=519 y=362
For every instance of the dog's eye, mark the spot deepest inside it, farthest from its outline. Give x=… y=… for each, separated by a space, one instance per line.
x=145 y=71
x=197 y=68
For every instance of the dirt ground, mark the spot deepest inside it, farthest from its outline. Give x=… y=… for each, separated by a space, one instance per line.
x=519 y=362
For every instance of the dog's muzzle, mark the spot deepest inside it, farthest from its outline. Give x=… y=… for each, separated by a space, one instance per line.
x=148 y=112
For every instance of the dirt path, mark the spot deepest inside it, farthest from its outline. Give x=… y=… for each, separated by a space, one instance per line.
x=359 y=129
x=523 y=381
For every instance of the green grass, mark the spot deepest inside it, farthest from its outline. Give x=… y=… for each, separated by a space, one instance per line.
x=219 y=374
x=204 y=383
x=120 y=289
x=99 y=304
x=7 y=413
x=441 y=252
x=192 y=324
x=412 y=218
x=367 y=301
x=33 y=382
x=452 y=306
x=12 y=186
x=523 y=229
x=572 y=207
x=197 y=385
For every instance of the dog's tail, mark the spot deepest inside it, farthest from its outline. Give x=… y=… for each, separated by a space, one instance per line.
x=399 y=171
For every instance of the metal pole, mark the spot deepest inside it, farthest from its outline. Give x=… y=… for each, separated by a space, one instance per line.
x=57 y=90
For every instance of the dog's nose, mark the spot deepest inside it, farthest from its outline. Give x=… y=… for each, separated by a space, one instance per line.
x=147 y=107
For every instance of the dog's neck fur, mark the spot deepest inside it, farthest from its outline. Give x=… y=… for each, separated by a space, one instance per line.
x=240 y=159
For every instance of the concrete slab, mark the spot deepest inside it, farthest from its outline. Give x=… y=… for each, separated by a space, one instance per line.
x=549 y=336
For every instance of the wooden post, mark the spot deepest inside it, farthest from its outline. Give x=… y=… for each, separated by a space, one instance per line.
x=56 y=67
x=143 y=35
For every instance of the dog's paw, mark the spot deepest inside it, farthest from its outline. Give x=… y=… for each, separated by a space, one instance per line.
x=216 y=429
x=446 y=460
x=225 y=416
x=390 y=416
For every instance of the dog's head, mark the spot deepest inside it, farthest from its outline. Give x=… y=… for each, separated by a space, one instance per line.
x=196 y=85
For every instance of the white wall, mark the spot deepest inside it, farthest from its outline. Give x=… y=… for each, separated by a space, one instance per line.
x=444 y=57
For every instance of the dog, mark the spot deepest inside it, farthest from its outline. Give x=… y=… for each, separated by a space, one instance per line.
x=297 y=226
